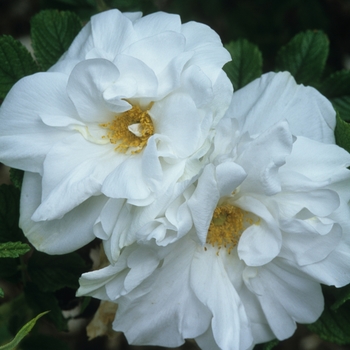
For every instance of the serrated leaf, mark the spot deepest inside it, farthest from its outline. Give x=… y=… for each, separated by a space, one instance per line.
x=304 y=56
x=342 y=133
x=337 y=89
x=40 y=341
x=40 y=301
x=13 y=249
x=22 y=333
x=333 y=326
x=15 y=63
x=52 y=33
x=16 y=177
x=246 y=64
x=53 y=272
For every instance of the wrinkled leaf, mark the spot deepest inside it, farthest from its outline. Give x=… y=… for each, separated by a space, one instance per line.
x=53 y=272
x=333 y=326
x=337 y=89
x=15 y=63
x=13 y=249
x=304 y=57
x=246 y=64
x=52 y=33
x=342 y=133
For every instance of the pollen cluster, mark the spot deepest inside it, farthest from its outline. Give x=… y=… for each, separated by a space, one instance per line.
x=227 y=226
x=119 y=130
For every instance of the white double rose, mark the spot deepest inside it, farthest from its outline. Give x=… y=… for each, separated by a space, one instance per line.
x=126 y=113
x=270 y=220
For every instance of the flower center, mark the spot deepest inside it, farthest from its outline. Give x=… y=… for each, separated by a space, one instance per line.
x=227 y=225
x=130 y=130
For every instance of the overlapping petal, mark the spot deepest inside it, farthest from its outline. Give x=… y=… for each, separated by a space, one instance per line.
x=76 y=125
x=282 y=188
x=213 y=287
x=269 y=169
x=57 y=236
x=275 y=97
x=285 y=293
x=24 y=138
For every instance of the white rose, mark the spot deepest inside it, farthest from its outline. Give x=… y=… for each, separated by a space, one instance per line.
x=271 y=222
x=126 y=113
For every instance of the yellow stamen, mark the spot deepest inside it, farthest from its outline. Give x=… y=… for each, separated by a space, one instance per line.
x=130 y=130
x=227 y=226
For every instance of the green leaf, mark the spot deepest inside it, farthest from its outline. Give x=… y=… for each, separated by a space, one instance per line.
x=14 y=314
x=16 y=177
x=246 y=64
x=85 y=302
x=13 y=249
x=53 y=272
x=342 y=133
x=342 y=295
x=337 y=89
x=333 y=326
x=1 y=293
x=15 y=63
x=52 y=33
x=22 y=333
x=270 y=345
x=304 y=56
x=40 y=301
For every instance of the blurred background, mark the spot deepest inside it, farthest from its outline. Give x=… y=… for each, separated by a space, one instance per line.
x=266 y=23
